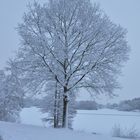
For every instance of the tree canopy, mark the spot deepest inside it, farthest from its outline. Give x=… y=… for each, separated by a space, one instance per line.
x=73 y=44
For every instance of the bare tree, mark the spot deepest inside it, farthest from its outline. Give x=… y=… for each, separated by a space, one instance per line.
x=73 y=43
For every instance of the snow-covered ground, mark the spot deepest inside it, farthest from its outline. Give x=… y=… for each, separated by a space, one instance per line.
x=98 y=121
x=102 y=121
x=85 y=123
x=32 y=116
x=11 y=131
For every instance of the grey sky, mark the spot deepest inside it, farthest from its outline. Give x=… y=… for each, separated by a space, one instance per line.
x=124 y=12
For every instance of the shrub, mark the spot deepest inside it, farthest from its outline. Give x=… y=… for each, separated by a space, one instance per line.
x=130 y=133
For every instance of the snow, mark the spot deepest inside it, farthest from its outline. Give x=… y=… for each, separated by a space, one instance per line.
x=90 y=121
x=11 y=131
x=85 y=124
x=102 y=121
x=32 y=116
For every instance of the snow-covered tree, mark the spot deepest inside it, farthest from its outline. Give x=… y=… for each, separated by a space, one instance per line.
x=73 y=43
x=86 y=105
x=129 y=105
x=11 y=95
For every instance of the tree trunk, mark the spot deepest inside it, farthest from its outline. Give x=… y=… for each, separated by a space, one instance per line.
x=55 y=112
x=65 y=109
x=55 y=108
x=65 y=112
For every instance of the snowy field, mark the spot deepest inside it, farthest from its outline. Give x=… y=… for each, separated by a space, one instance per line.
x=102 y=121
x=98 y=121
x=13 y=131
x=85 y=124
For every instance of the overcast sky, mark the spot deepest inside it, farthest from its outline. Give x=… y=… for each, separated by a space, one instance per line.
x=123 y=12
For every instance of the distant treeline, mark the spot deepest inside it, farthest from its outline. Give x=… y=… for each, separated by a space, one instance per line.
x=80 y=105
x=126 y=105
x=86 y=105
